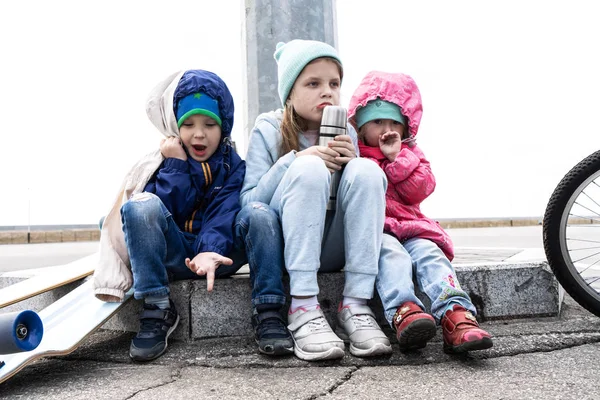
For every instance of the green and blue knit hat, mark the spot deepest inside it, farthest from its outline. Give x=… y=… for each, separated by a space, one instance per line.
x=379 y=109
x=293 y=56
x=197 y=103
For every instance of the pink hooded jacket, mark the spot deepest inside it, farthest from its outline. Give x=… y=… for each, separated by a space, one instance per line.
x=410 y=180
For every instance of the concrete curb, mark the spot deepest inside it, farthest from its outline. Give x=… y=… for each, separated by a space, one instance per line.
x=499 y=290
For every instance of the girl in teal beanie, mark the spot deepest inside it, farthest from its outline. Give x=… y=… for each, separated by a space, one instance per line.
x=288 y=172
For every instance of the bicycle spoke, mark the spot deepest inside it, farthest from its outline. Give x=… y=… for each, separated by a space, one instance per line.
x=585 y=269
x=590 y=283
x=590 y=210
x=585 y=258
x=590 y=218
x=585 y=248
x=584 y=240
x=588 y=196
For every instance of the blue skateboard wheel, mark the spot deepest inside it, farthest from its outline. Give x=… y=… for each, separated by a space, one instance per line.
x=20 y=331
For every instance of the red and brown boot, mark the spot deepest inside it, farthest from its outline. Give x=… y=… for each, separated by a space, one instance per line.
x=414 y=328
x=462 y=332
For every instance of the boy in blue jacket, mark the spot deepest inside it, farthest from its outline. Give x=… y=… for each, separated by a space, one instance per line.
x=183 y=225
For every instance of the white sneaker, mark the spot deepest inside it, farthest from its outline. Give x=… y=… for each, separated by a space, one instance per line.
x=358 y=326
x=313 y=337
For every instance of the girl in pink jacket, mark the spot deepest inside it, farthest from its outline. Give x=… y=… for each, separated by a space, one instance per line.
x=386 y=111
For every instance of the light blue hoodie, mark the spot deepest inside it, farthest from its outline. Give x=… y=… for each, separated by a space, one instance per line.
x=264 y=167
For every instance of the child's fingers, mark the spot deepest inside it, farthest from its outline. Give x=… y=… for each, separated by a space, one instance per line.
x=391 y=135
x=210 y=279
x=332 y=166
x=344 y=160
x=328 y=155
x=327 y=151
x=345 y=152
x=343 y=138
x=345 y=149
x=226 y=261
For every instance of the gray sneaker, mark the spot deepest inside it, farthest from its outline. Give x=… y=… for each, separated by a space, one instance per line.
x=357 y=325
x=313 y=337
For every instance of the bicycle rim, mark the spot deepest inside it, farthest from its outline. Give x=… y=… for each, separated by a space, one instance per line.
x=579 y=235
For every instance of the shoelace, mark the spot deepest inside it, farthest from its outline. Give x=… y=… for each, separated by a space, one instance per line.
x=363 y=321
x=149 y=327
x=317 y=324
x=272 y=325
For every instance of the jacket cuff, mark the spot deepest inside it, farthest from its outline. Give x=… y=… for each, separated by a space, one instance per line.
x=412 y=158
x=176 y=164
x=109 y=295
x=205 y=248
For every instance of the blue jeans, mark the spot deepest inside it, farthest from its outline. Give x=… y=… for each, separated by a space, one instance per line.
x=434 y=275
x=158 y=249
x=320 y=240
x=259 y=226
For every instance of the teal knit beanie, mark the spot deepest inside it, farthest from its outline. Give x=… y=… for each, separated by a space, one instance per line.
x=379 y=109
x=293 y=56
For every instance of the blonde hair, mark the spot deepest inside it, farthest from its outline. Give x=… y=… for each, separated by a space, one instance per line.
x=293 y=123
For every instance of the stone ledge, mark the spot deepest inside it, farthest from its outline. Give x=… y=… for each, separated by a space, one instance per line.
x=499 y=291
x=55 y=236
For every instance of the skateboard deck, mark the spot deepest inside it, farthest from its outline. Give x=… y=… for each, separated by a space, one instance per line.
x=66 y=324
x=53 y=278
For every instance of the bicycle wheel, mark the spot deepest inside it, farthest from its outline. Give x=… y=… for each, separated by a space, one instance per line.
x=572 y=233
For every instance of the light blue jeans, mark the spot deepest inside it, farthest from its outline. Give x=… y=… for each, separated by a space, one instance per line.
x=326 y=241
x=435 y=276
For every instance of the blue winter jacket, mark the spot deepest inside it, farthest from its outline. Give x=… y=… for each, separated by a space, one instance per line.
x=204 y=197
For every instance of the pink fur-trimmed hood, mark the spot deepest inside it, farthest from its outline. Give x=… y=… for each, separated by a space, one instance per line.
x=396 y=88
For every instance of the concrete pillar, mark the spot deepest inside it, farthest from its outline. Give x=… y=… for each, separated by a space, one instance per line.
x=267 y=22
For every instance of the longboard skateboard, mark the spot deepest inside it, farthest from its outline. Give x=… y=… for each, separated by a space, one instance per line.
x=55 y=277
x=66 y=324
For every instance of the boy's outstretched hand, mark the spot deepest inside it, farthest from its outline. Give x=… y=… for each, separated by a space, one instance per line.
x=171 y=147
x=207 y=264
x=390 y=144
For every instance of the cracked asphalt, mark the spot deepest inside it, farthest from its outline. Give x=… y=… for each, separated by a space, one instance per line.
x=542 y=358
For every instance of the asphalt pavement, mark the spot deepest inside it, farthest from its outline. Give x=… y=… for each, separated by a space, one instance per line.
x=543 y=358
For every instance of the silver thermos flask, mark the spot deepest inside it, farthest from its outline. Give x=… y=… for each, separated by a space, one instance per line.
x=333 y=123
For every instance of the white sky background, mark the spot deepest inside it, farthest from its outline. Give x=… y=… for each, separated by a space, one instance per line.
x=511 y=93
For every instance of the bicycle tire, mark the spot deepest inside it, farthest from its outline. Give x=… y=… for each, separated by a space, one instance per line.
x=555 y=218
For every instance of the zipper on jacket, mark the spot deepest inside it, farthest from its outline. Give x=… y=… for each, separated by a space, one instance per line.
x=189 y=224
